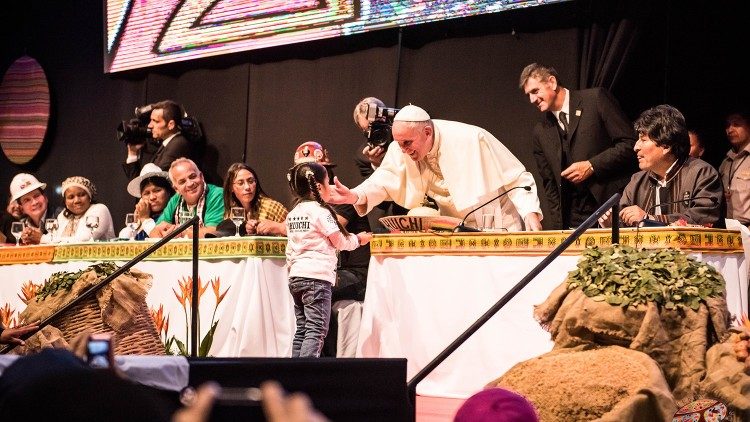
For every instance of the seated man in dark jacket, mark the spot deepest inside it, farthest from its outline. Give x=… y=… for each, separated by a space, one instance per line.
x=671 y=186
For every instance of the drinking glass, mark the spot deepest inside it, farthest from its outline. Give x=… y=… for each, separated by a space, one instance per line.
x=17 y=228
x=238 y=217
x=132 y=223
x=487 y=222
x=92 y=222
x=182 y=217
x=51 y=225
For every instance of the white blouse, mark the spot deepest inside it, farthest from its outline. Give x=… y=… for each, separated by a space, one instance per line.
x=105 y=231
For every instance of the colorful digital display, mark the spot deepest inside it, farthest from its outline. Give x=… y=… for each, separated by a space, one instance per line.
x=141 y=33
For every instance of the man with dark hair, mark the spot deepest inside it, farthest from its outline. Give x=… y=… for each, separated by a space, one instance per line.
x=688 y=188
x=583 y=146
x=735 y=169
x=165 y=129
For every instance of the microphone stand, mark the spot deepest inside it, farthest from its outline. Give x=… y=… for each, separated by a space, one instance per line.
x=612 y=202
x=462 y=228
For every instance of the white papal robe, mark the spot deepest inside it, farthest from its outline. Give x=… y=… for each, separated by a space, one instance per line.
x=466 y=166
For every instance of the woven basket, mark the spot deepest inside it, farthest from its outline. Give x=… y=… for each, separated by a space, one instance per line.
x=139 y=338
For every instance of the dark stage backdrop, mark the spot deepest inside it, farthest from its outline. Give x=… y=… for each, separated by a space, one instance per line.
x=258 y=106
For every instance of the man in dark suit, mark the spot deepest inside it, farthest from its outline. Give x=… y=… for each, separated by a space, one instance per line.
x=165 y=129
x=583 y=147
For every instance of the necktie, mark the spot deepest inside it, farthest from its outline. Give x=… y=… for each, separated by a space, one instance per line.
x=564 y=121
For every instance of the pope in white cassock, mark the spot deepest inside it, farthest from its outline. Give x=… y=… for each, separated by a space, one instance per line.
x=459 y=165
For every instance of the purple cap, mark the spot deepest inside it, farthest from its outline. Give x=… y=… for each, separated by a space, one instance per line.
x=497 y=405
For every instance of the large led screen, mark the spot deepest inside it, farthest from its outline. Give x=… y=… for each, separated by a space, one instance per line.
x=141 y=33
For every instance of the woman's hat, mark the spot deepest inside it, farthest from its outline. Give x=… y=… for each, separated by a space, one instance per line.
x=79 y=182
x=312 y=152
x=149 y=170
x=24 y=183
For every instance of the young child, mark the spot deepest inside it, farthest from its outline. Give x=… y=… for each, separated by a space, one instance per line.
x=314 y=236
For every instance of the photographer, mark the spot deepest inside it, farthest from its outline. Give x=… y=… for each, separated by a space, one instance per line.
x=165 y=129
x=372 y=120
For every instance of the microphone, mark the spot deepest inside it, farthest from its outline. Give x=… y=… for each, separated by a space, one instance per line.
x=461 y=228
x=647 y=222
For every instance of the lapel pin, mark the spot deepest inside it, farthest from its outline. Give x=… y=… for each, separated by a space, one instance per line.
x=578 y=113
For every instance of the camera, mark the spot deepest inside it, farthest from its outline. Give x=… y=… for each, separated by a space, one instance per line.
x=99 y=351
x=136 y=130
x=380 y=121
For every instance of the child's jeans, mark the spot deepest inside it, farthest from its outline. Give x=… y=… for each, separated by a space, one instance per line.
x=312 y=309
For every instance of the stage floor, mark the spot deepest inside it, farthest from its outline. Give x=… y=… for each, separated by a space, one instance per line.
x=437 y=409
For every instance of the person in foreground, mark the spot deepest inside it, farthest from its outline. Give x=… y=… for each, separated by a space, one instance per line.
x=194 y=196
x=496 y=405
x=313 y=237
x=15 y=335
x=689 y=189
x=264 y=215
x=459 y=165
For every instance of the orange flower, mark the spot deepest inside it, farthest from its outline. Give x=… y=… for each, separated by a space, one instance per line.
x=186 y=290
x=744 y=321
x=158 y=317
x=6 y=316
x=29 y=290
x=216 y=286
x=166 y=326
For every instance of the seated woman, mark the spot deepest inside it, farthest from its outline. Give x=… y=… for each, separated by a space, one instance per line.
x=28 y=194
x=264 y=216
x=672 y=186
x=80 y=194
x=154 y=189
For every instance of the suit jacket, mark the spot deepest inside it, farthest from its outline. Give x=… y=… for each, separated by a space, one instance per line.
x=178 y=147
x=598 y=131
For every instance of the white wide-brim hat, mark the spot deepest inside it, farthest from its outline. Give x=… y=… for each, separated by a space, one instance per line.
x=24 y=183
x=149 y=170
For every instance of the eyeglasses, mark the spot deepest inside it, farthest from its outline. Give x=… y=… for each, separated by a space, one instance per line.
x=248 y=182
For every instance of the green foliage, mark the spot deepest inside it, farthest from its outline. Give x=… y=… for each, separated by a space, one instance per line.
x=623 y=275
x=63 y=280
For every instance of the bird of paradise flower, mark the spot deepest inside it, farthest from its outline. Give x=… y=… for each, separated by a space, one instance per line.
x=185 y=297
x=6 y=316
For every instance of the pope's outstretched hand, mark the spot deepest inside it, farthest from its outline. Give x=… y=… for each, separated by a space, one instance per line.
x=340 y=194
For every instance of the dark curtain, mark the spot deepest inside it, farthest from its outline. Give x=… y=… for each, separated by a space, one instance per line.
x=605 y=50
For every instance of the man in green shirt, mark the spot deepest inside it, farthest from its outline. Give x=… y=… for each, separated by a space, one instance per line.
x=194 y=196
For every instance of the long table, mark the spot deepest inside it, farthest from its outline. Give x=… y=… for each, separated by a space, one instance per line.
x=255 y=317
x=424 y=290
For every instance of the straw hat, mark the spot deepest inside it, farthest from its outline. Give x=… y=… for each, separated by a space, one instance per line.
x=149 y=170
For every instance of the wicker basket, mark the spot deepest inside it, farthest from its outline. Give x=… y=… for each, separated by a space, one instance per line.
x=139 y=338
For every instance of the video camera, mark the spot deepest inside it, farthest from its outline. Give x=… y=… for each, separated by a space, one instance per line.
x=380 y=121
x=136 y=131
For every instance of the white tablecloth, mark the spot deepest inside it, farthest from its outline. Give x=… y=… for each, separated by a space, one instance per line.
x=256 y=317
x=415 y=306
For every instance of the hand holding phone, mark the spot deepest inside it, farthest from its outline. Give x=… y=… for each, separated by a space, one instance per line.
x=100 y=351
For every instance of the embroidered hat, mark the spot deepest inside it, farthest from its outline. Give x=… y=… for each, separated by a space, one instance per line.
x=411 y=113
x=497 y=405
x=149 y=170
x=80 y=182
x=312 y=152
x=24 y=183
